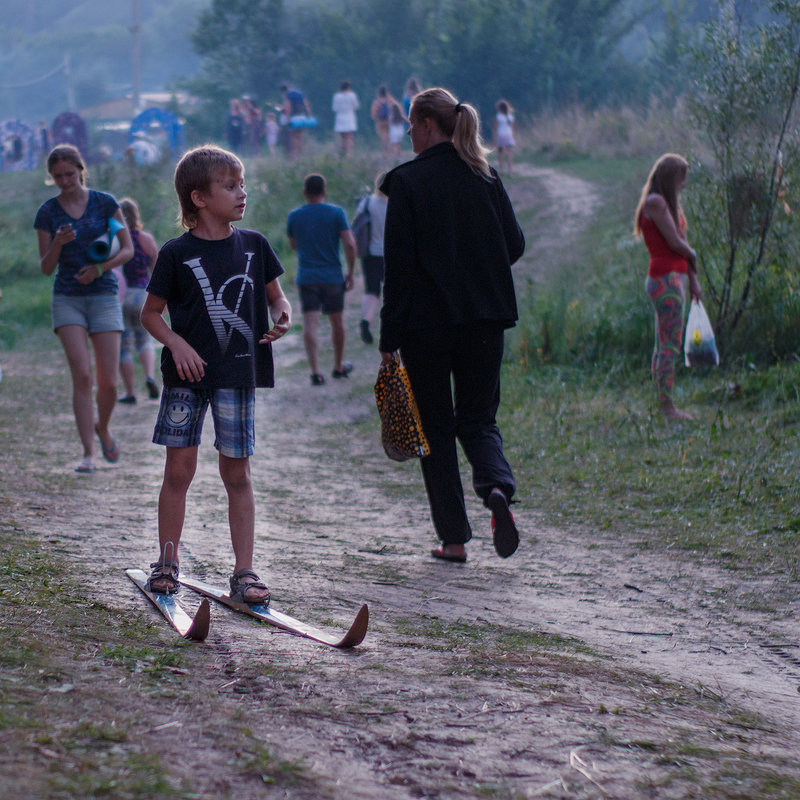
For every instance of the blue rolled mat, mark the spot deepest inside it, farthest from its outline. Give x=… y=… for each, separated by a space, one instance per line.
x=107 y=245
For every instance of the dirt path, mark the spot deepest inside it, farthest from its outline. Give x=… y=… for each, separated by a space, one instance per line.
x=582 y=667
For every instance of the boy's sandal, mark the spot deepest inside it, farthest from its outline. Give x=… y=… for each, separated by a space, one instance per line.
x=167 y=573
x=240 y=588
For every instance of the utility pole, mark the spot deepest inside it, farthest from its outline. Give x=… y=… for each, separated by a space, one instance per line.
x=68 y=80
x=136 y=30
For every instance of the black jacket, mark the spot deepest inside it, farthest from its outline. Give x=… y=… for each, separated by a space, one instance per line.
x=450 y=240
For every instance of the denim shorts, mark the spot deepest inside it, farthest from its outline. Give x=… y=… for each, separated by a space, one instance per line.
x=183 y=409
x=97 y=313
x=328 y=297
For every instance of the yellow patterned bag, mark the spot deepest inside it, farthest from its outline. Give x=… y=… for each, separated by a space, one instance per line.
x=401 y=429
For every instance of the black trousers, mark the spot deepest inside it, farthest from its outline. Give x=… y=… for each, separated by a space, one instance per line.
x=455 y=375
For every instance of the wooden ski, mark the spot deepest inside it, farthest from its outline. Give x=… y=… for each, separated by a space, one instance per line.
x=354 y=636
x=195 y=629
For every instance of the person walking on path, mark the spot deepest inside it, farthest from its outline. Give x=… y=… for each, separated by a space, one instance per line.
x=504 y=139
x=220 y=286
x=137 y=273
x=86 y=303
x=372 y=262
x=345 y=104
x=660 y=221
x=315 y=231
x=450 y=240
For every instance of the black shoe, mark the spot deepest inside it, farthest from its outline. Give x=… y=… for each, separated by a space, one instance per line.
x=317 y=379
x=504 y=529
x=346 y=369
x=129 y=400
x=366 y=336
x=152 y=388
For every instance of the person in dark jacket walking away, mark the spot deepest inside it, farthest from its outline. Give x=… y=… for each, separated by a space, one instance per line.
x=449 y=242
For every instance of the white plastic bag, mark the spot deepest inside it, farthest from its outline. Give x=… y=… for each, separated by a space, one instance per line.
x=699 y=346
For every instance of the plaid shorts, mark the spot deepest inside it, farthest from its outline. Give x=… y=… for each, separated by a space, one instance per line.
x=183 y=409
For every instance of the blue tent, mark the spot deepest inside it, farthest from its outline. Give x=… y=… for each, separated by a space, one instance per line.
x=69 y=128
x=17 y=146
x=171 y=126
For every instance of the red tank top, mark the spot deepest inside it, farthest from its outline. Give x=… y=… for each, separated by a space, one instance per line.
x=663 y=259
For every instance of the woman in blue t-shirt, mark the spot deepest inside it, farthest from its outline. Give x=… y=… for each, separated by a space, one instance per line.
x=85 y=293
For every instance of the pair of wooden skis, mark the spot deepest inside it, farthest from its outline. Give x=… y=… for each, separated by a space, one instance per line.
x=196 y=628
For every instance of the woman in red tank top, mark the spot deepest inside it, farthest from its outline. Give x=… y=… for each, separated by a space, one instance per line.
x=659 y=219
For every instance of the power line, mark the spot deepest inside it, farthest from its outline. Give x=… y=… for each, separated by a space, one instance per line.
x=50 y=74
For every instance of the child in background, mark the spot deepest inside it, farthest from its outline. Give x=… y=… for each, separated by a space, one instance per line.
x=504 y=135
x=271 y=131
x=137 y=273
x=220 y=286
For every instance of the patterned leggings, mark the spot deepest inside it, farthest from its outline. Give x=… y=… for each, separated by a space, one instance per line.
x=668 y=295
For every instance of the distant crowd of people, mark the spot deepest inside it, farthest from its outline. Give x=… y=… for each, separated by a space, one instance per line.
x=248 y=128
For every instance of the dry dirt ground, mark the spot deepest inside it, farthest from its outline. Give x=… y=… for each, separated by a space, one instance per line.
x=583 y=667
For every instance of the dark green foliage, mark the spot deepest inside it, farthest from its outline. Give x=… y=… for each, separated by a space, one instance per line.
x=541 y=54
x=744 y=105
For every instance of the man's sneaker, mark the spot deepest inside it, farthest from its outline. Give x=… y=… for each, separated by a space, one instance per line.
x=346 y=369
x=504 y=530
x=317 y=379
x=128 y=400
x=366 y=335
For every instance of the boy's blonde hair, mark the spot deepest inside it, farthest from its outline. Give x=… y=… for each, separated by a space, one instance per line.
x=195 y=172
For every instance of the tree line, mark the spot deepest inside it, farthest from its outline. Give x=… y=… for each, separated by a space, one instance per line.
x=539 y=54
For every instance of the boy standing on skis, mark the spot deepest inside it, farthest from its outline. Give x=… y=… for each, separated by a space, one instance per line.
x=220 y=286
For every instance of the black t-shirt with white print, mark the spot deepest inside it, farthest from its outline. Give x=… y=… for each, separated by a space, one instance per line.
x=217 y=301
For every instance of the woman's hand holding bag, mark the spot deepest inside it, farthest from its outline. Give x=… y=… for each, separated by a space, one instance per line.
x=699 y=346
x=401 y=428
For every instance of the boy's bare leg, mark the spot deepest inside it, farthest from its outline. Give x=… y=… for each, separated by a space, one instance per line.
x=235 y=473
x=178 y=474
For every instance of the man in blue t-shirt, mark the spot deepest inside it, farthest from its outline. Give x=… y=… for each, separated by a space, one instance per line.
x=315 y=231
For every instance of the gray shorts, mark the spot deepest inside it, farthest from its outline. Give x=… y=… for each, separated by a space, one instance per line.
x=97 y=313
x=183 y=409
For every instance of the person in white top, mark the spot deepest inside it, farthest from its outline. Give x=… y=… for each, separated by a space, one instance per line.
x=345 y=104
x=372 y=263
x=504 y=139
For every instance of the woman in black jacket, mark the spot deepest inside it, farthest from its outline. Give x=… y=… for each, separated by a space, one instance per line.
x=449 y=242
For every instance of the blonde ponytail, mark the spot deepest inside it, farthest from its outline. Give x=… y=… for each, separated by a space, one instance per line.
x=459 y=122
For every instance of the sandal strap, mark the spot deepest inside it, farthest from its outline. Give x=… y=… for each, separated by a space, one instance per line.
x=240 y=587
x=172 y=566
x=166 y=571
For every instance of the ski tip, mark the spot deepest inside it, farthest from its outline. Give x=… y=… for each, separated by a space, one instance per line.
x=358 y=630
x=201 y=623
